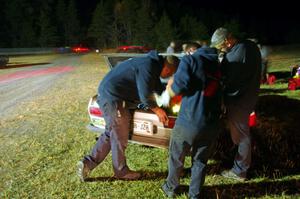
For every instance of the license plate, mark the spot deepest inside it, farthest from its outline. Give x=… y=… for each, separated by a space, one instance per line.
x=142 y=127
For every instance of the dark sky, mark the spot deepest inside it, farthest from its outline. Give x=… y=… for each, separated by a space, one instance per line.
x=272 y=21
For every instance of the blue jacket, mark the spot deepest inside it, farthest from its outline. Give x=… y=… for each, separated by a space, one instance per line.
x=134 y=81
x=191 y=80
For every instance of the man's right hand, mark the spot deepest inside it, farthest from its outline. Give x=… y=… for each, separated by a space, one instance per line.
x=161 y=114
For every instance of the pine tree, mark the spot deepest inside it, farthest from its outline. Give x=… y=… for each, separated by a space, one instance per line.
x=28 y=38
x=14 y=19
x=4 y=33
x=124 y=15
x=100 y=27
x=48 y=32
x=192 y=29
x=60 y=21
x=143 y=32
x=164 y=32
x=235 y=28
x=72 y=26
x=114 y=39
x=22 y=25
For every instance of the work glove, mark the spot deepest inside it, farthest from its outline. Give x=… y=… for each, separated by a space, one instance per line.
x=163 y=99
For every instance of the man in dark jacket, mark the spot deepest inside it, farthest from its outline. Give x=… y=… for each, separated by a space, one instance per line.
x=241 y=68
x=197 y=124
x=129 y=84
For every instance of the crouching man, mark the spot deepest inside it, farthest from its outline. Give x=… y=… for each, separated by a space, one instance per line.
x=126 y=86
x=197 y=124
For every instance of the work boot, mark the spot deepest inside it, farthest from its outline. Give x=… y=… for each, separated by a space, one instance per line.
x=232 y=175
x=130 y=175
x=82 y=170
x=167 y=191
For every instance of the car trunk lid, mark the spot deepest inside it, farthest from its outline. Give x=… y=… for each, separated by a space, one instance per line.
x=114 y=59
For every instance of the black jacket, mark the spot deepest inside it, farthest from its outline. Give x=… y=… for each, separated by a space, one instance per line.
x=241 y=69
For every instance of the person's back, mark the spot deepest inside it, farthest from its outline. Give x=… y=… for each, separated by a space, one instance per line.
x=242 y=71
x=133 y=80
x=195 y=106
x=197 y=125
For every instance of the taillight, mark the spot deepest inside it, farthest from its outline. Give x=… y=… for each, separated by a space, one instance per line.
x=95 y=111
x=175 y=104
x=176 y=108
x=171 y=123
x=252 y=120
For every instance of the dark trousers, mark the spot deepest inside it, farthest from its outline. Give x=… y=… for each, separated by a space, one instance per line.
x=182 y=140
x=114 y=139
x=238 y=122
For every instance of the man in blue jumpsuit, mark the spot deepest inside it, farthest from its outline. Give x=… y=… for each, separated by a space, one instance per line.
x=241 y=69
x=198 y=121
x=129 y=84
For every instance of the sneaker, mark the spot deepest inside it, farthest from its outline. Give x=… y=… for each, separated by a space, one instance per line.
x=130 y=175
x=167 y=191
x=232 y=175
x=82 y=171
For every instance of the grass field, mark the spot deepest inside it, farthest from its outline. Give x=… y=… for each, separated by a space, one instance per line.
x=41 y=145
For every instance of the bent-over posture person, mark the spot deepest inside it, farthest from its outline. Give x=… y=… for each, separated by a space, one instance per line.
x=129 y=84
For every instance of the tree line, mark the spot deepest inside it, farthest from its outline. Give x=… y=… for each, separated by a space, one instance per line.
x=54 y=23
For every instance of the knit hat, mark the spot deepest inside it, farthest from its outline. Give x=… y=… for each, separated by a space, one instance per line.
x=219 y=37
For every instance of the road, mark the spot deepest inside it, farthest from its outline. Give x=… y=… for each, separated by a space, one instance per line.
x=31 y=81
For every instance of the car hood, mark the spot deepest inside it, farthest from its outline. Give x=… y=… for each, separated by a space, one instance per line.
x=113 y=59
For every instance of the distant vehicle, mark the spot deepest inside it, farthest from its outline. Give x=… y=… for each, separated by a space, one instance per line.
x=80 y=49
x=4 y=59
x=133 y=49
x=146 y=127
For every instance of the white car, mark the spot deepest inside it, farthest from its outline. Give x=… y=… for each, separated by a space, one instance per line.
x=146 y=128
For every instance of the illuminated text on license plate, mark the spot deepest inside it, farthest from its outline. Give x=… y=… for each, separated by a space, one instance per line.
x=142 y=127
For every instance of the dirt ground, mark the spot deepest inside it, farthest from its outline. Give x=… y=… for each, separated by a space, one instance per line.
x=24 y=81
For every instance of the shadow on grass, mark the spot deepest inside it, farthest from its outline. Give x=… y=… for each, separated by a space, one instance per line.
x=100 y=179
x=275 y=153
x=272 y=90
x=146 y=175
x=275 y=140
x=282 y=74
x=248 y=189
x=19 y=65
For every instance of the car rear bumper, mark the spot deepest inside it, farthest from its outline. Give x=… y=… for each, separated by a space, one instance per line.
x=153 y=140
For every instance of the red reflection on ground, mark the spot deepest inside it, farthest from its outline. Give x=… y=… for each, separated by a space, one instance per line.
x=27 y=74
